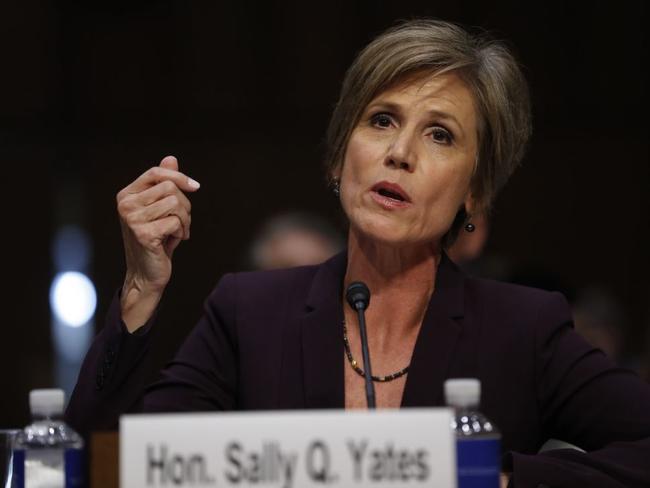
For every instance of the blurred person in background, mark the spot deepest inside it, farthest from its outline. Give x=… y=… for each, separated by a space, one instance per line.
x=294 y=239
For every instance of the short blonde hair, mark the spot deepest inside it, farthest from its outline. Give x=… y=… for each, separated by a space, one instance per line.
x=486 y=65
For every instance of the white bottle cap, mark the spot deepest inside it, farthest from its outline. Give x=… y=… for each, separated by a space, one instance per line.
x=46 y=403
x=462 y=392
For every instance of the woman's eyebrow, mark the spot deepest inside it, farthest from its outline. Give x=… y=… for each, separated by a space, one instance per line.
x=387 y=106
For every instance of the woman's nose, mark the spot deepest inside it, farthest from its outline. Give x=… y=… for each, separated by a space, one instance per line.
x=401 y=153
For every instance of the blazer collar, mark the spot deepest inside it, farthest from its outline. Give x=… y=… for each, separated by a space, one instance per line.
x=322 y=341
x=437 y=340
x=322 y=337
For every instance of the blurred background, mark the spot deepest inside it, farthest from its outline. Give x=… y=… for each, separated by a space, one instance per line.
x=94 y=93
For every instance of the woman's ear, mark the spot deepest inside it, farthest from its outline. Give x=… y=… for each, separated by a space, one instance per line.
x=470 y=204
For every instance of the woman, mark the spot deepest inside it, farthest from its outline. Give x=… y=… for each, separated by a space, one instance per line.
x=430 y=124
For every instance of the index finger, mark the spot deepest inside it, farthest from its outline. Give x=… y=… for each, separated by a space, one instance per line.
x=155 y=175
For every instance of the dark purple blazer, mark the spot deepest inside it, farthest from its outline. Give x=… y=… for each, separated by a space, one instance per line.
x=273 y=340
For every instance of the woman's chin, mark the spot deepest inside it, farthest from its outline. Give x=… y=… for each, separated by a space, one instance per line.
x=388 y=233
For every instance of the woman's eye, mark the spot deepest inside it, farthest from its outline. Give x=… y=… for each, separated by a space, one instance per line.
x=381 y=120
x=441 y=135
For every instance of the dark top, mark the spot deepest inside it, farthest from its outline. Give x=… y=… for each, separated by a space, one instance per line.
x=273 y=340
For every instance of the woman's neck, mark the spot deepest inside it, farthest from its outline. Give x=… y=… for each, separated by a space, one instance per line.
x=401 y=281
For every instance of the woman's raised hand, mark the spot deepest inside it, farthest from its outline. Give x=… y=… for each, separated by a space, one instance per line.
x=155 y=217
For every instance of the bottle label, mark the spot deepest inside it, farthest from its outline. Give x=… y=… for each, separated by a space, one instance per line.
x=37 y=468
x=74 y=468
x=479 y=462
x=18 y=471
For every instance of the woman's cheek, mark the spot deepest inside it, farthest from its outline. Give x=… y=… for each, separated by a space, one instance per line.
x=351 y=184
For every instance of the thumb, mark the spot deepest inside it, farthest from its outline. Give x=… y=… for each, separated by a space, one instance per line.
x=169 y=162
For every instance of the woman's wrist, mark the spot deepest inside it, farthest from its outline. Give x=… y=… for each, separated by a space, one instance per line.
x=138 y=303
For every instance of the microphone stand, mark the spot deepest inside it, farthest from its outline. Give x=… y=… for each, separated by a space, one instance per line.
x=358 y=297
x=370 y=387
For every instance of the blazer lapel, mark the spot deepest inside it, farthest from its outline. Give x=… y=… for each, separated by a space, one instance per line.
x=322 y=339
x=437 y=340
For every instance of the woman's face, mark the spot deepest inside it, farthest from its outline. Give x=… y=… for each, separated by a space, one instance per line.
x=410 y=159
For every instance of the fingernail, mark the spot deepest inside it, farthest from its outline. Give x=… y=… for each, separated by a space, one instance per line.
x=193 y=183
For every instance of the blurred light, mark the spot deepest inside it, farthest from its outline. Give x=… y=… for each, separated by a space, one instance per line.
x=71 y=249
x=73 y=298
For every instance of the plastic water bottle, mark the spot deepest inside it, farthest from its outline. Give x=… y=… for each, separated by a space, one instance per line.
x=48 y=453
x=478 y=442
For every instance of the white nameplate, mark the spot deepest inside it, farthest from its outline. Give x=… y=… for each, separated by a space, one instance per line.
x=292 y=449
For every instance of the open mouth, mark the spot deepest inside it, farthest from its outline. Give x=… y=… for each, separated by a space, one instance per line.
x=387 y=193
x=392 y=191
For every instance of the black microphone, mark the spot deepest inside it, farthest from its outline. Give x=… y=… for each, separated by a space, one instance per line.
x=358 y=296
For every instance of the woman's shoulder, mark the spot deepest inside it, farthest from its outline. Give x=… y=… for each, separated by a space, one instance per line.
x=264 y=289
x=275 y=281
x=497 y=289
x=510 y=299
